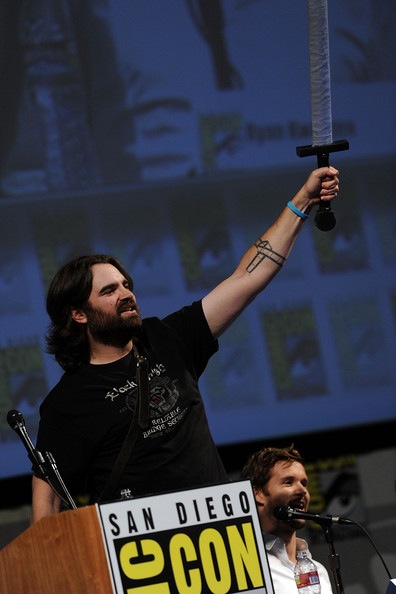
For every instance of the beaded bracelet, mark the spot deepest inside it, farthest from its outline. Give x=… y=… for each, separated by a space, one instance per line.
x=297 y=211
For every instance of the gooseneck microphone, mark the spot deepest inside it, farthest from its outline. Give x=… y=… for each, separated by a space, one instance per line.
x=17 y=422
x=286 y=513
x=44 y=466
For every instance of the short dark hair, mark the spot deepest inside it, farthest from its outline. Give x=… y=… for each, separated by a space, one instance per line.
x=259 y=465
x=71 y=288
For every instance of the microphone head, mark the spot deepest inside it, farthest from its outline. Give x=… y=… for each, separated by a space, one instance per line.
x=15 y=418
x=283 y=513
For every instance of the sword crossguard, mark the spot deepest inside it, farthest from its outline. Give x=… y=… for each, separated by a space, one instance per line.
x=322 y=149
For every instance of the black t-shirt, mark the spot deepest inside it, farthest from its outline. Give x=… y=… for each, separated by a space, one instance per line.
x=85 y=418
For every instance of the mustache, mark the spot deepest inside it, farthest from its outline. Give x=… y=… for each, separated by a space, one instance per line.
x=129 y=305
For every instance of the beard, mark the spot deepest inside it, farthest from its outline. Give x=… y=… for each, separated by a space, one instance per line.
x=112 y=329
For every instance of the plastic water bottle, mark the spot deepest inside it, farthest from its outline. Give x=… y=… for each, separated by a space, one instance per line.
x=306 y=574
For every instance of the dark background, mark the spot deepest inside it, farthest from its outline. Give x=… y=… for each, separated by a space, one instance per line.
x=168 y=137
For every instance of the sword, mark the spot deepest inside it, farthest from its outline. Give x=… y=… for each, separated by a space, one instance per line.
x=321 y=116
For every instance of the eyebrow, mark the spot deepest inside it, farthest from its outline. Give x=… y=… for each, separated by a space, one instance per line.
x=106 y=288
x=113 y=286
x=289 y=477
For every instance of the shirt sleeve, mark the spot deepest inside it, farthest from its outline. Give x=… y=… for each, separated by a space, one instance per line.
x=191 y=327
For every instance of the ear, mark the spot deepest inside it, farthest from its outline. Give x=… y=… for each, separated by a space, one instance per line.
x=259 y=496
x=78 y=315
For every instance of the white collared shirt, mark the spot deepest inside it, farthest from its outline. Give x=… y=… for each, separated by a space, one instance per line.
x=282 y=568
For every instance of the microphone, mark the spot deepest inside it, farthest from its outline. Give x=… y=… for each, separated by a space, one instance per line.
x=45 y=467
x=284 y=512
x=17 y=422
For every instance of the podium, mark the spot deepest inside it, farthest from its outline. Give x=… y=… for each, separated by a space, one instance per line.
x=203 y=540
x=61 y=553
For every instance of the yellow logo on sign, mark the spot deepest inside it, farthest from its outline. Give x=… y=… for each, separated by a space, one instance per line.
x=216 y=560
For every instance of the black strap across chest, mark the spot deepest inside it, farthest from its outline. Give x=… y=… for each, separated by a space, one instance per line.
x=140 y=420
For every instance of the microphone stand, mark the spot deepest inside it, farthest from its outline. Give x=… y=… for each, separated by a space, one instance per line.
x=43 y=465
x=57 y=484
x=287 y=513
x=334 y=559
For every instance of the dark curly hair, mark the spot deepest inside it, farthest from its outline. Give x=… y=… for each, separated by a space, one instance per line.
x=71 y=288
x=259 y=465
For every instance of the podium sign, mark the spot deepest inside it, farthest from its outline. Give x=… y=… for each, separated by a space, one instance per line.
x=199 y=541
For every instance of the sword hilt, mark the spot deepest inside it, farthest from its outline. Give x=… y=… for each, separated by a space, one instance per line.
x=324 y=218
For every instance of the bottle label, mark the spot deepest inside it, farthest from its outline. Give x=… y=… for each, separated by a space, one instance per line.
x=307 y=579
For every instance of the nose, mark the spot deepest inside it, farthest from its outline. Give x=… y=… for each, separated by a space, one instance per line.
x=126 y=293
x=303 y=489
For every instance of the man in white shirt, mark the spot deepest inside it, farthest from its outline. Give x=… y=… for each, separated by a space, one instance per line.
x=279 y=478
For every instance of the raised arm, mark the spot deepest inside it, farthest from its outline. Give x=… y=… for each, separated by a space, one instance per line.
x=265 y=258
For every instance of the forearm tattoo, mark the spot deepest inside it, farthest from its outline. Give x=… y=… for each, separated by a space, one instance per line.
x=264 y=250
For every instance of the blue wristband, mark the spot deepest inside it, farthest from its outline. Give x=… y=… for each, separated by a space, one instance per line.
x=296 y=211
